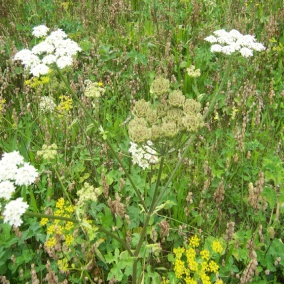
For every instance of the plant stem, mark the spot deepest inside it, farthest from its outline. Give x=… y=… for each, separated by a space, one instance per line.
x=75 y=97
x=224 y=80
x=146 y=222
x=62 y=185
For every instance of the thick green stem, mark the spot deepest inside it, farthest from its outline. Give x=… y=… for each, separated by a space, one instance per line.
x=62 y=185
x=224 y=80
x=94 y=121
x=152 y=207
x=138 y=248
x=146 y=222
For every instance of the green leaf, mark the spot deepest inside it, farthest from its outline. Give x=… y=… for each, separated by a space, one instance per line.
x=107 y=218
x=270 y=195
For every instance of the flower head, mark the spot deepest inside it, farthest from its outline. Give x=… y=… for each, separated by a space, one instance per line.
x=48 y=152
x=40 y=31
x=217 y=246
x=233 y=41
x=160 y=86
x=94 y=89
x=143 y=156
x=12 y=157
x=193 y=72
x=26 y=175
x=46 y=104
x=40 y=69
x=13 y=212
x=55 y=48
x=6 y=189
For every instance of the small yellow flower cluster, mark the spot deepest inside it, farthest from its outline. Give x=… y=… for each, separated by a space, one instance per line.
x=66 y=104
x=194 y=241
x=193 y=266
x=217 y=246
x=35 y=81
x=59 y=230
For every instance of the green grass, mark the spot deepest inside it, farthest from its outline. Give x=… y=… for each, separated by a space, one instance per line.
x=125 y=45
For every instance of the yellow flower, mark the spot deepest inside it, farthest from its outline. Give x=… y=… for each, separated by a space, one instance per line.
x=69 y=226
x=58 y=213
x=51 y=242
x=194 y=241
x=212 y=266
x=100 y=84
x=60 y=203
x=58 y=229
x=178 y=252
x=179 y=268
x=190 y=253
x=204 y=266
x=44 y=221
x=192 y=264
x=50 y=230
x=69 y=240
x=205 y=279
x=62 y=264
x=65 y=104
x=69 y=209
x=219 y=281
x=217 y=246
x=205 y=254
x=189 y=280
x=165 y=281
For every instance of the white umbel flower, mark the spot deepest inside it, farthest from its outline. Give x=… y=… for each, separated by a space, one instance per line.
x=42 y=47
x=13 y=157
x=8 y=170
x=26 y=175
x=40 y=31
x=64 y=61
x=40 y=69
x=46 y=104
x=55 y=48
x=49 y=59
x=7 y=188
x=233 y=41
x=246 y=52
x=14 y=210
x=27 y=57
x=143 y=156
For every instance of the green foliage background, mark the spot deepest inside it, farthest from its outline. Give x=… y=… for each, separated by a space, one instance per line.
x=126 y=44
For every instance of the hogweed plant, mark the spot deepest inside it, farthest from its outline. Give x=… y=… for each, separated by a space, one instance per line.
x=161 y=130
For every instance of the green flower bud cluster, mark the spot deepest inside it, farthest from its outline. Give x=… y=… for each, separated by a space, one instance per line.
x=86 y=194
x=48 y=152
x=192 y=72
x=169 y=116
x=94 y=89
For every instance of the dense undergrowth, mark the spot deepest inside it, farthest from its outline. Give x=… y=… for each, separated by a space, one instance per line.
x=203 y=203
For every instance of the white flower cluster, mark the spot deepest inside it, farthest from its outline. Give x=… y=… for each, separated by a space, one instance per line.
x=14 y=171
x=143 y=156
x=55 y=48
x=233 y=41
x=46 y=104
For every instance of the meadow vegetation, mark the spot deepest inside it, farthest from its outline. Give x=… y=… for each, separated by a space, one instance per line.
x=145 y=154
